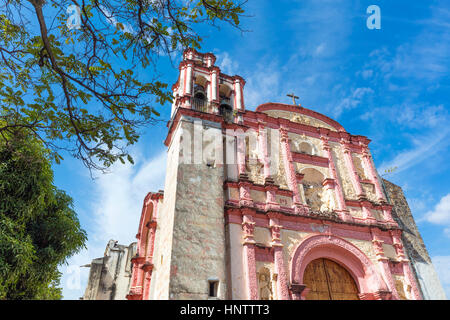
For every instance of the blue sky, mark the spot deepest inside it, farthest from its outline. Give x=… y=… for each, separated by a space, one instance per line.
x=391 y=85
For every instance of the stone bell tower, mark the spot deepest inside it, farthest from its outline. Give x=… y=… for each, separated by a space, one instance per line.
x=188 y=259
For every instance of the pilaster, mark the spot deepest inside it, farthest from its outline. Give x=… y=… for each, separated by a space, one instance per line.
x=248 y=227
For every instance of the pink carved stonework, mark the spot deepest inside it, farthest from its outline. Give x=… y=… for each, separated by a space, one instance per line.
x=342 y=208
x=383 y=263
x=248 y=226
x=351 y=168
x=142 y=262
x=373 y=174
x=346 y=254
x=282 y=287
x=289 y=167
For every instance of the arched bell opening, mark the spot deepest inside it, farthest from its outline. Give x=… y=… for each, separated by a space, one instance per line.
x=226 y=111
x=200 y=101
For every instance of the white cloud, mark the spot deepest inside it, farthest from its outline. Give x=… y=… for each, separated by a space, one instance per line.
x=116 y=205
x=226 y=64
x=352 y=101
x=442 y=266
x=423 y=60
x=424 y=148
x=441 y=212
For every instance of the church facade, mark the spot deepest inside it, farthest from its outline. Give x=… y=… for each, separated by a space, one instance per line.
x=277 y=203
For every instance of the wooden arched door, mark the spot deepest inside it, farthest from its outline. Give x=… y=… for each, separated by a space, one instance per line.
x=327 y=280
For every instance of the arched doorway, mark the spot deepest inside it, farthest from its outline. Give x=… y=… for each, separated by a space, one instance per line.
x=327 y=280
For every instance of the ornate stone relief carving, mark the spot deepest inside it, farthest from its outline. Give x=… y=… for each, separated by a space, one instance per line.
x=280 y=176
x=342 y=173
x=313 y=195
x=356 y=212
x=265 y=284
x=369 y=190
x=255 y=170
x=358 y=163
x=328 y=201
x=299 y=118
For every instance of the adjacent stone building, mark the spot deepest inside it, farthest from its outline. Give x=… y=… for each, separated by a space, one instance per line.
x=277 y=203
x=110 y=275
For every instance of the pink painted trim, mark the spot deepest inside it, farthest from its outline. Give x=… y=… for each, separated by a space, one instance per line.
x=309 y=159
x=351 y=169
x=264 y=254
x=338 y=190
x=282 y=286
x=301 y=110
x=307 y=224
x=250 y=271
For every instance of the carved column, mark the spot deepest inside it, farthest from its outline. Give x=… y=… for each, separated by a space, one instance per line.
x=262 y=141
x=248 y=226
x=407 y=272
x=189 y=77
x=282 y=287
x=148 y=265
x=290 y=172
x=238 y=94
x=240 y=143
x=189 y=83
x=137 y=281
x=215 y=88
x=351 y=168
x=383 y=263
x=182 y=84
x=373 y=174
x=342 y=208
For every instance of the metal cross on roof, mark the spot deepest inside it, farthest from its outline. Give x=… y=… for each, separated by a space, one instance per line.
x=293 y=98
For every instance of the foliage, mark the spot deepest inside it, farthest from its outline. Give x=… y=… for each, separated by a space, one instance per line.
x=78 y=89
x=39 y=229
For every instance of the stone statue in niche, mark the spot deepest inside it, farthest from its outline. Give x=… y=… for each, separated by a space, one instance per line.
x=265 y=285
x=359 y=168
x=313 y=195
x=328 y=203
x=255 y=170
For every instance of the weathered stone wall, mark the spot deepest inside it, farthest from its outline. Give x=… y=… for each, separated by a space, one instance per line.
x=109 y=276
x=159 y=286
x=235 y=263
x=193 y=220
x=413 y=242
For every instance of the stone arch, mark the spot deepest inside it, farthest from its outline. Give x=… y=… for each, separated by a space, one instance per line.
x=146 y=217
x=342 y=252
x=200 y=85
x=225 y=90
x=312 y=175
x=306 y=147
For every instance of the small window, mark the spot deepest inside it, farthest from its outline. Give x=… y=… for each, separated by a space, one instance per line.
x=213 y=288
